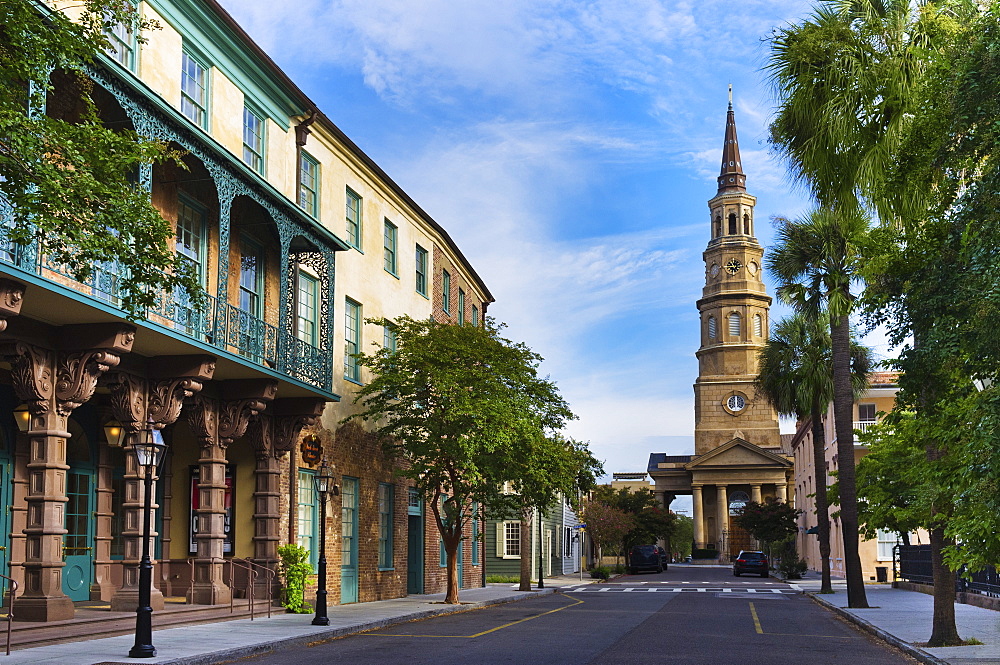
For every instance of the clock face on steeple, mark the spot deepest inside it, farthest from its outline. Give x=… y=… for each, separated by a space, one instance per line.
x=733 y=266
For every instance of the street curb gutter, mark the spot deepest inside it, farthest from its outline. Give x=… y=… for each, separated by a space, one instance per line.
x=238 y=653
x=871 y=628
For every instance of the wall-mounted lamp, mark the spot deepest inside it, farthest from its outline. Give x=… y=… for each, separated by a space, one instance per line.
x=114 y=433
x=22 y=416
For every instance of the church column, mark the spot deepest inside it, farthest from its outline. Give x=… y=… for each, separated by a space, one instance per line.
x=755 y=493
x=791 y=494
x=699 y=517
x=780 y=488
x=668 y=498
x=723 y=517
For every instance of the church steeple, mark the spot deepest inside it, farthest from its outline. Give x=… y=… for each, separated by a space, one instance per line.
x=731 y=177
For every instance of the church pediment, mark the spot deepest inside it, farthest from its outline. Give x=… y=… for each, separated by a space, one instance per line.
x=738 y=453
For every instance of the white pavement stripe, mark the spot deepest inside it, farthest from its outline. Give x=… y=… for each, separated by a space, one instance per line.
x=686 y=590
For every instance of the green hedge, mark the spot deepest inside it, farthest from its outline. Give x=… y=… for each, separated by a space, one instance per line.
x=704 y=554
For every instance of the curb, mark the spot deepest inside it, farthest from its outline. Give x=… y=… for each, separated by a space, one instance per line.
x=889 y=638
x=238 y=653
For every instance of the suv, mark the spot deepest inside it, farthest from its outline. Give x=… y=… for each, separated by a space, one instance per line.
x=644 y=557
x=750 y=562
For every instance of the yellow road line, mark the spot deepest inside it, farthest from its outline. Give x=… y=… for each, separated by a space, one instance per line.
x=756 y=620
x=485 y=632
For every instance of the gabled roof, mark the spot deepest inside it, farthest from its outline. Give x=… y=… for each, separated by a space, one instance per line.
x=755 y=456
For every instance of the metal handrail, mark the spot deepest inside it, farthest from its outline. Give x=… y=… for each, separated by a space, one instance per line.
x=10 y=609
x=269 y=574
x=251 y=582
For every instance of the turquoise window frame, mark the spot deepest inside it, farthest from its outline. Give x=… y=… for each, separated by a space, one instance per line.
x=389 y=341
x=390 y=235
x=461 y=307
x=254 y=155
x=353 y=213
x=199 y=257
x=420 y=259
x=307 y=308
x=255 y=291
x=195 y=110
x=443 y=558
x=475 y=315
x=312 y=518
x=124 y=44
x=475 y=533
x=446 y=292
x=352 y=340
x=386 y=518
x=308 y=184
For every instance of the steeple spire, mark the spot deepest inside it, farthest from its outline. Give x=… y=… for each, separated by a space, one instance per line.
x=731 y=177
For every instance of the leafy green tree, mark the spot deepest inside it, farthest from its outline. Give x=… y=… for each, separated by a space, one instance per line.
x=546 y=471
x=460 y=407
x=682 y=537
x=650 y=521
x=769 y=522
x=816 y=262
x=606 y=526
x=796 y=376
x=67 y=179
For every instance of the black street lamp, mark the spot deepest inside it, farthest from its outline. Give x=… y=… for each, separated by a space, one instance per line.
x=148 y=449
x=324 y=485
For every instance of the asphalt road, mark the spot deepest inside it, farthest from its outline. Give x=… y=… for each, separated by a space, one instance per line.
x=686 y=615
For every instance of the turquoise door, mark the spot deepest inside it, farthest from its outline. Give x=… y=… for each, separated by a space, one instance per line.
x=5 y=490
x=78 y=542
x=415 y=544
x=349 y=540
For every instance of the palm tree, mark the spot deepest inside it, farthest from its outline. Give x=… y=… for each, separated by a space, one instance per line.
x=815 y=263
x=796 y=378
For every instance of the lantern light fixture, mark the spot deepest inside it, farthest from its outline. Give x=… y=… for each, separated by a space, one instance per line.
x=22 y=416
x=114 y=433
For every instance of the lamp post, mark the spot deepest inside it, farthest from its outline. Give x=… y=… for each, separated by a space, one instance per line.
x=324 y=485
x=148 y=449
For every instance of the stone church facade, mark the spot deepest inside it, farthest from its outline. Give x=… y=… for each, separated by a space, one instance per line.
x=738 y=449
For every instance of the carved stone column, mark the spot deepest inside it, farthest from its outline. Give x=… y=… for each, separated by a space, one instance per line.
x=273 y=434
x=755 y=493
x=780 y=489
x=699 y=517
x=135 y=401
x=790 y=496
x=52 y=384
x=217 y=423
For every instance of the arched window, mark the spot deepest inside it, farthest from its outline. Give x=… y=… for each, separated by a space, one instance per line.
x=732 y=223
x=711 y=327
x=758 y=325
x=734 y=325
x=718 y=226
x=737 y=500
x=746 y=224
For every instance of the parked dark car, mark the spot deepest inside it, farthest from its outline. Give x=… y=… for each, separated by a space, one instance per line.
x=644 y=557
x=751 y=562
x=664 y=557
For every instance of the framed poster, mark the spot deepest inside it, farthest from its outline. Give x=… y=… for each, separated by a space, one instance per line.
x=227 y=543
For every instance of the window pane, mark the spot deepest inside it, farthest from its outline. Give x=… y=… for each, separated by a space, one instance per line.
x=194 y=90
x=253 y=140
x=353 y=219
x=352 y=340
x=389 y=247
x=445 y=291
x=421 y=283
x=190 y=231
x=734 y=325
x=309 y=184
x=385 y=520
x=306 y=328
x=251 y=282
x=306 y=523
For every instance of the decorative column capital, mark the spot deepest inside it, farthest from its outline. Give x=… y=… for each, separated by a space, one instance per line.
x=31 y=369
x=291 y=415
x=11 y=299
x=241 y=401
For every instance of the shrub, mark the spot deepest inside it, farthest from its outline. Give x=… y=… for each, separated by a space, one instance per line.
x=503 y=579
x=618 y=569
x=294 y=570
x=600 y=572
x=704 y=554
x=791 y=568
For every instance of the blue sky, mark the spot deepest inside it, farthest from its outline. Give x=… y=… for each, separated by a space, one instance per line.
x=569 y=147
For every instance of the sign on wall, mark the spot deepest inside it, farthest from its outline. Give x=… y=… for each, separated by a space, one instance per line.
x=311 y=449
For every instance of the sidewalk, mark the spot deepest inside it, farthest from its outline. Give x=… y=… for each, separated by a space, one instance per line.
x=232 y=640
x=903 y=618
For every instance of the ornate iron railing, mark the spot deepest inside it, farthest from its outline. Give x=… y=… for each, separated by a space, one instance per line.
x=235 y=331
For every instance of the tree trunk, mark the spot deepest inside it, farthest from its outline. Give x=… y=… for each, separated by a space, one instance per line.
x=451 y=544
x=944 y=633
x=843 y=411
x=525 y=550
x=822 y=504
